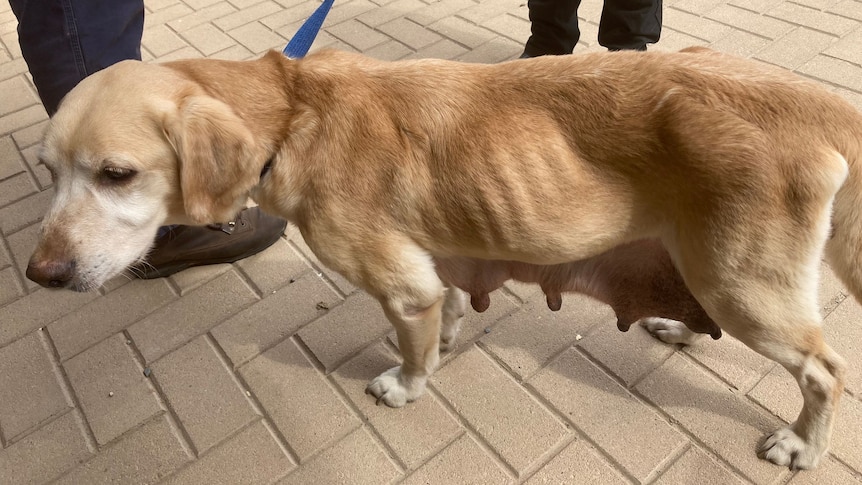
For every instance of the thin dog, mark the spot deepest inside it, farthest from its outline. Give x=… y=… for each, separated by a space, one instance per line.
x=398 y=172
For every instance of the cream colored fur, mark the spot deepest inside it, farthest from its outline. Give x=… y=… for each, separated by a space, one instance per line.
x=747 y=174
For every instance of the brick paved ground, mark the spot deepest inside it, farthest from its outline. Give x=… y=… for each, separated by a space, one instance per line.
x=257 y=369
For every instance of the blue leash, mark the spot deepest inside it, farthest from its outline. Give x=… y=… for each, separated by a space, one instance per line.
x=304 y=37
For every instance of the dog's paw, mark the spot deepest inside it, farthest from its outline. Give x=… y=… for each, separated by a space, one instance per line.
x=670 y=331
x=784 y=447
x=392 y=389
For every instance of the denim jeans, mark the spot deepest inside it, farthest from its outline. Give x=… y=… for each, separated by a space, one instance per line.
x=624 y=25
x=64 y=41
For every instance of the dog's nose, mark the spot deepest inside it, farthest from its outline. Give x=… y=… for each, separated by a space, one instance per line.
x=51 y=274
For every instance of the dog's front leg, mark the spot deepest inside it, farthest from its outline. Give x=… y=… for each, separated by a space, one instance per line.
x=418 y=330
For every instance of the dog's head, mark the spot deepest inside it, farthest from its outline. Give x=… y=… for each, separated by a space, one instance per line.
x=134 y=147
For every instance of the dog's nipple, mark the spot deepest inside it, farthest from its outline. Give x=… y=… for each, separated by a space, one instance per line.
x=480 y=302
x=623 y=324
x=554 y=299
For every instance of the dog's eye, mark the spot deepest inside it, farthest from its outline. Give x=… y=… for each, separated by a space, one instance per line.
x=118 y=174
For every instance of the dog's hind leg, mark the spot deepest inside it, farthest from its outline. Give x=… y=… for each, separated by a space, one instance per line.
x=761 y=289
x=454 y=306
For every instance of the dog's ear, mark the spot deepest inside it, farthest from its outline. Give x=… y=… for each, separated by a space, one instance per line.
x=217 y=157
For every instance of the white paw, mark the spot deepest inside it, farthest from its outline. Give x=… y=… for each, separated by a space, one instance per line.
x=784 y=447
x=670 y=331
x=395 y=390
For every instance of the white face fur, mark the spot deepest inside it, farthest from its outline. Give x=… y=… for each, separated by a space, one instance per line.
x=114 y=186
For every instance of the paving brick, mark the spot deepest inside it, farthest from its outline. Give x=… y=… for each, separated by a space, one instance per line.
x=11 y=68
x=10 y=287
x=377 y=16
x=699 y=7
x=485 y=11
x=414 y=432
x=828 y=471
x=274 y=318
x=143 y=456
x=78 y=330
x=30 y=135
x=592 y=400
x=843 y=333
x=674 y=41
x=15 y=188
x=187 y=52
x=694 y=25
x=257 y=38
x=112 y=390
x=345 y=330
x=202 y=16
x=758 y=6
x=462 y=32
x=165 y=15
x=577 y=463
x=463 y=461
x=848 y=8
x=37 y=309
x=731 y=360
x=525 y=341
x=202 y=393
x=831 y=292
x=629 y=355
x=493 y=51
x=409 y=33
x=355 y=459
x=10 y=160
x=43 y=176
x=161 y=40
x=813 y=19
x=390 y=50
x=244 y=16
x=15 y=94
x=303 y=407
x=13 y=122
x=722 y=420
x=196 y=276
x=437 y=11
x=848 y=47
x=515 y=28
x=176 y=323
x=530 y=430
x=22 y=244
x=817 y=4
x=797 y=47
x=779 y=393
x=297 y=12
x=207 y=39
x=252 y=456
x=29 y=390
x=10 y=40
x=234 y=53
x=768 y=27
x=357 y=34
x=351 y=10
x=273 y=268
x=293 y=234
x=25 y=212
x=695 y=466
x=46 y=453
x=445 y=49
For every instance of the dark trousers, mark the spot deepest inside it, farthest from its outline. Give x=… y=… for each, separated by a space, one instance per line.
x=624 y=25
x=64 y=41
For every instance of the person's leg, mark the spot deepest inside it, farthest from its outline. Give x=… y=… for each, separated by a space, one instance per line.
x=630 y=24
x=554 y=27
x=64 y=41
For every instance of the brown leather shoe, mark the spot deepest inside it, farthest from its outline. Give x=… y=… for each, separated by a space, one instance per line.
x=185 y=246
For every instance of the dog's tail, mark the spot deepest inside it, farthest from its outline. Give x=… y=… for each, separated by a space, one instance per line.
x=844 y=246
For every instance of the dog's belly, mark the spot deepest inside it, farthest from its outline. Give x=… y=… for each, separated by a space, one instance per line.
x=637 y=280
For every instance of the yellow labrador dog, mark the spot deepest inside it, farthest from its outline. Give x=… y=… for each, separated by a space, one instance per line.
x=400 y=174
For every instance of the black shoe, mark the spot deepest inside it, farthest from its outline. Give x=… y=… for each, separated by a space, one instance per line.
x=185 y=246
